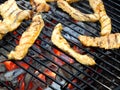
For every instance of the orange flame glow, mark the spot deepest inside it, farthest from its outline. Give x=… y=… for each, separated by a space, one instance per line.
x=30 y=85
x=10 y=65
x=70 y=86
x=26 y=66
x=21 y=81
x=22 y=86
x=50 y=73
x=76 y=49
x=58 y=61
x=42 y=77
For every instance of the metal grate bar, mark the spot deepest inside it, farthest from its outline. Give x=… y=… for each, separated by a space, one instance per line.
x=97 y=58
x=28 y=71
x=48 y=68
x=33 y=66
x=80 y=33
x=58 y=74
x=83 y=48
x=114 y=3
x=82 y=8
x=58 y=64
x=3 y=84
x=74 y=67
x=91 y=33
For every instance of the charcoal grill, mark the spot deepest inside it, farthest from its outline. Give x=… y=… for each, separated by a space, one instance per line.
x=105 y=75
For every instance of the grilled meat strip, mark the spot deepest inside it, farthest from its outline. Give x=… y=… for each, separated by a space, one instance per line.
x=12 y=17
x=50 y=0
x=76 y=14
x=27 y=39
x=69 y=1
x=72 y=1
x=111 y=41
x=104 y=20
x=99 y=14
x=61 y=43
x=40 y=5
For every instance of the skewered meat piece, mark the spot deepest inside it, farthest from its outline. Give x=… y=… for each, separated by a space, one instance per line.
x=12 y=17
x=27 y=39
x=40 y=5
x=110 y=41
x=61 y=43
x=76 y=14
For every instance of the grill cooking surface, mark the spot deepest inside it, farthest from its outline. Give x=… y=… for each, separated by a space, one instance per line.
x=44 y=57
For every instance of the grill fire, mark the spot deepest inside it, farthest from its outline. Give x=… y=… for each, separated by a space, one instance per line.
x=47 y=68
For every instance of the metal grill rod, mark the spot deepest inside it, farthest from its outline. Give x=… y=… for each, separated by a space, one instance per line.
x=18 y=32
x=59 y=66
x=9 y=88
x=95 y=35
x=29 y=71
x=85 y=66
x=107 y=11
x=48 y=68
x=85 y=49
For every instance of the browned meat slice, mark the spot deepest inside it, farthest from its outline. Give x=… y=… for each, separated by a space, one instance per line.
x=61 y=43
x=40 y=5
x=72 y=1
x=99 y=14
x=27 y=39
x=76 y=14
x=110 y=41
x=69 y=1
x=105 y=21
x=12 y=16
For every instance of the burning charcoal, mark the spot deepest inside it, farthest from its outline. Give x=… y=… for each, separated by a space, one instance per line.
x=2 y=67
x=15 y=83
x=36 y=49
x=11 y=75
x=4 y=52
x=55 y=86
x=37 y=84
x=3 y=88
x=2 y=58
x=28 y=78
